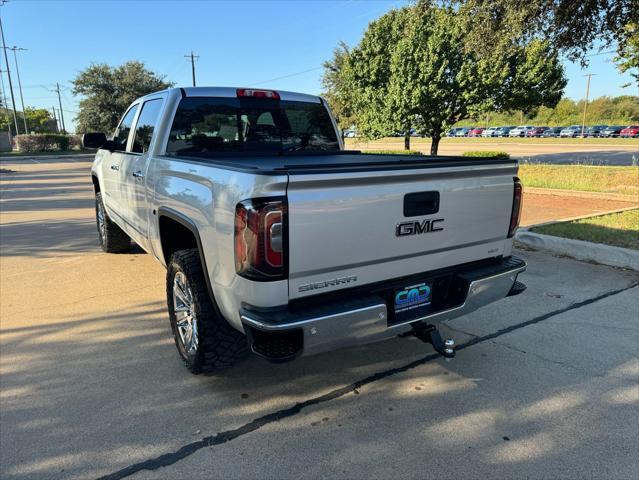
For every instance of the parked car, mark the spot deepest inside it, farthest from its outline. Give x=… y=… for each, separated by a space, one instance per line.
x=536 y=131
x=476 y=132
x=520 y=131
x=594 y=131
x=489 y=132
x=612 y=131
x=552 y=132
x=350 y=134
x=214 y=183
x=571 y=132
x=631 y=131
x=453 y=131
x=463 y=131
x=503 y=131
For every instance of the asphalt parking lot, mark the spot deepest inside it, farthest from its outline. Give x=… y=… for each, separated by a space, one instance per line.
x=545 y=384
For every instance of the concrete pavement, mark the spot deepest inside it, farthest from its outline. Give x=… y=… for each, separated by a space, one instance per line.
x=545 y=386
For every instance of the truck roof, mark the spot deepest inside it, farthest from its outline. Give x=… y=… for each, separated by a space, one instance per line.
x=231 y=92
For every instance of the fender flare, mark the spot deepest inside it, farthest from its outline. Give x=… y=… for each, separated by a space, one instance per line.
x=190 y=225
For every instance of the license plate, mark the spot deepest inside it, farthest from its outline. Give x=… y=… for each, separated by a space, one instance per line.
x=412 y=297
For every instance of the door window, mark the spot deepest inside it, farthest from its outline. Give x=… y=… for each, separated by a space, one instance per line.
x=122 y=132
x=146 y=124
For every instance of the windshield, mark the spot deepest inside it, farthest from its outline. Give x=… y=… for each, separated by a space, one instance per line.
x=214 y=125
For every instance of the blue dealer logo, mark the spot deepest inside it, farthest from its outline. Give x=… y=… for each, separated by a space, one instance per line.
x=412 y=296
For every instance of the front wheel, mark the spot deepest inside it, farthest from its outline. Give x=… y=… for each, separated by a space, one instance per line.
x=112 y=238
x=204 y=339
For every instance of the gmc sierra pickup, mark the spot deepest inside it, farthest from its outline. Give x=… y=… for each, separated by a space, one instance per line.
x=278 y=241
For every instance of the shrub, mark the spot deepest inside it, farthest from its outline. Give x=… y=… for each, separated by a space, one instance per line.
x=486 y=154
x=75 y=142
x=392 y=152
x=42 y=142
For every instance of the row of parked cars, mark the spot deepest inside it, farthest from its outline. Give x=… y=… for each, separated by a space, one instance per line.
x=573 y=131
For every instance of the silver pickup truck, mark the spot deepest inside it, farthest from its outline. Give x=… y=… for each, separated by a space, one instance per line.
x=278 y=241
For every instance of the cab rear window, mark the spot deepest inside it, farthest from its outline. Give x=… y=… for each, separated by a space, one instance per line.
x=218 y=125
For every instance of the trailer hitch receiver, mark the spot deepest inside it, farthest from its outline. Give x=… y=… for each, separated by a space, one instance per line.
x=430 y=334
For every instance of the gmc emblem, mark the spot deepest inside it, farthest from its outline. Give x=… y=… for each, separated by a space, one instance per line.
x=417 y=228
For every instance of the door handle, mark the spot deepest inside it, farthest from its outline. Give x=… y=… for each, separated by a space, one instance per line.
x=138 y=174
x=115 y=167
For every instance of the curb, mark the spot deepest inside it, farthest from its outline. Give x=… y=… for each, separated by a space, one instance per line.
x=581 y=250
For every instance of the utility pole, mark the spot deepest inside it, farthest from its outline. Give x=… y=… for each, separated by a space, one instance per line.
x=64 y=128
x=192 y=57
x=24 y=112
x=4 y=94
x=583 y=121
x=6 y=60
x=55 y=119
x=4 y=100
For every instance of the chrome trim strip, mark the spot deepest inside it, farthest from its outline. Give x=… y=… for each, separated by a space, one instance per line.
x=285 y=326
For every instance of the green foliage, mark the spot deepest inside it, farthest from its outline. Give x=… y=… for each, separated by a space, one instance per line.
x=107 y=91
x=336 y=94
x=42 y=142
x=412 y=69
x=627 y=57
x=39 y=120
x=572 y=26
x=486 y=154
x=619 y=229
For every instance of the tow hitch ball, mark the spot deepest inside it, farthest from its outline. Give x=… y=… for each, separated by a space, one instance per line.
x=430 y=334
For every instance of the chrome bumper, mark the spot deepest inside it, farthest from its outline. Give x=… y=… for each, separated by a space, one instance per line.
x=365 y=320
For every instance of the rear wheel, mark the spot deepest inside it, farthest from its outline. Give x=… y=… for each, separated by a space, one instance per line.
x=112 y=238
x=205 y=340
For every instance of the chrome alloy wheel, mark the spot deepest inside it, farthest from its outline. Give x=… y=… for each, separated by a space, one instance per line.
x=100 y=217
x=184 y=310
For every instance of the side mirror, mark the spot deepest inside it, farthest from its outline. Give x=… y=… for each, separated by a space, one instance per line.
x=93 y=140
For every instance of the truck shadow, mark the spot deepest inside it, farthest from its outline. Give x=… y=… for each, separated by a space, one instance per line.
x=96 y=385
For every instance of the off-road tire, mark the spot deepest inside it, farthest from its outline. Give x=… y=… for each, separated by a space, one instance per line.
x=112 y=238
x=219 y=344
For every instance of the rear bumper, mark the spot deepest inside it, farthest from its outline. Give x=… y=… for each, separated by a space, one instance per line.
x=357 y=317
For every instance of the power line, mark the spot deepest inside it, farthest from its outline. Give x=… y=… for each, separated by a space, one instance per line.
x=6 y=59
x=15 y=59
x=192 y=57
x=285 y=76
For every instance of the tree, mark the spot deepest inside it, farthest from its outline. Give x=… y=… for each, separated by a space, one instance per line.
x=412 y=70
x=39 y=120
x=627 y=57
x=107 y=91
x=572 y=26
x=335 y=94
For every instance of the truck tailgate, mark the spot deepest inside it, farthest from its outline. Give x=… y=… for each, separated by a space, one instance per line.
x=343 y=225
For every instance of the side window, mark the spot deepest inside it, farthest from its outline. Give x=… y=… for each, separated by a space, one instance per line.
x=146 y=124
x=122 y=132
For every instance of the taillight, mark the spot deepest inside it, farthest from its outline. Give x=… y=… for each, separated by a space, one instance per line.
x=251 y=92
x=260 y=239
x=516 y=211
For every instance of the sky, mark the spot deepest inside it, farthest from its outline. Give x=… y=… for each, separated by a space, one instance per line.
x=271 y=44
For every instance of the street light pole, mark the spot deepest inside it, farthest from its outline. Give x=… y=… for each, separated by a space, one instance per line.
x=6 y=59
x=24 y=112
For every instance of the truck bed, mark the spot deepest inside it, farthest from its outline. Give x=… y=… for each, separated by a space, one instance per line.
x=345 y=161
